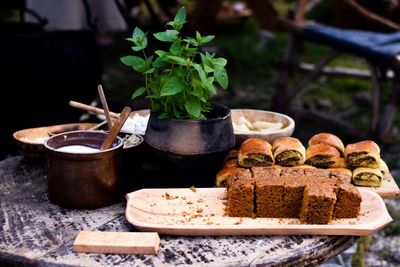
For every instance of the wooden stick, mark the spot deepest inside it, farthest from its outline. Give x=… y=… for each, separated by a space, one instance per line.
x=115 y=129
x=97 y=126
x=117 y=242
x=92 y=109
x=105 y=106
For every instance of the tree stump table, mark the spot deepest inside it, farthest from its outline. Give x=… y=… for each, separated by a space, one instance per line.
x=36 y=232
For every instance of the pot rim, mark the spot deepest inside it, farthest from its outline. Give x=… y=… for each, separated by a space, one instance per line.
x=191 y=121
x=54 y=150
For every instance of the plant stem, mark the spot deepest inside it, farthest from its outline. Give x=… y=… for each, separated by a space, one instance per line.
x=148 y=91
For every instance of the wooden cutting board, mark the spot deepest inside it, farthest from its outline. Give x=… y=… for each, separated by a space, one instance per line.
x=181 y=211
x=388 y=188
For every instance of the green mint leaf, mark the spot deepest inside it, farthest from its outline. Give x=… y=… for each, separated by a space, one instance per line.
x=193 y=107
x=167 y=36
x=161 y=53
x=206 y=39
x=138 y=34
x=138 y=92
x=175 y=48
x=220 y=61
x=208 y=69
x=159 y=62
x=201 y=73
x=198 y=36
x=151 y=70
x=180 y=17
x=222 y=77
x=172 y=86
x=178 y=60
x=163 y=116
x=137 y=63
x=191 y=41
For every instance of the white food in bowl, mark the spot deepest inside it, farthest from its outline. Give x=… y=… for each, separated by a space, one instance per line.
x=245 y=126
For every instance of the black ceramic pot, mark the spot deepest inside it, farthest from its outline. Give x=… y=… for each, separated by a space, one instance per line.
x=190 y=152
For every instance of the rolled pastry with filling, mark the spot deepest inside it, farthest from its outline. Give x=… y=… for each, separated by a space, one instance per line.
x=383 y=167
x=232 y=154
x=362 y=154
x=232 y=163
x=367 y=176
x=223 y=174
x=328 y=139
x=288 y=151
x=255 y=152
x=322 y=156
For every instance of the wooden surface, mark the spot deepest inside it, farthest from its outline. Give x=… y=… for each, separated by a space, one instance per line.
x=182 y=211
x=36 y=232
x=388 y=188
x=117 y=242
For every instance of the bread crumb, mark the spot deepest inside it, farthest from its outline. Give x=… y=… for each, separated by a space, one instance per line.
x=193 y=188
x=200 y=210
x=189 y=202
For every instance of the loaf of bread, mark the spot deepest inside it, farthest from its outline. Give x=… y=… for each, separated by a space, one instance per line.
x=288 y=151
x=255 y=152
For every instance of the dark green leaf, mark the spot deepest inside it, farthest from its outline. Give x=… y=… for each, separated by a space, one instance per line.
x=137 y=63
x=159 y=63
x=172 y=86
x=222 y=77
x=201 y=73
x=167 y=36
x=163 y=116
x=151 y=70
x=138 y=34
x=175 y=48
x=178 y=60
x=160 y=53
x=138 y=92
x=193 y=107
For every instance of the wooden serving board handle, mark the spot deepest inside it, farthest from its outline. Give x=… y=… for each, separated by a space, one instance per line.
x=117 y=242
x=115 y=129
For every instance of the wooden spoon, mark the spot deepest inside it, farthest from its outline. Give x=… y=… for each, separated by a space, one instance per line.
x=115 y=129
x=105 y=106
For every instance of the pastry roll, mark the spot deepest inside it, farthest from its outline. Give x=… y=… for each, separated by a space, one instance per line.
x=232 y=163
x=288 y=151
x=233 y=154
x=383 y=167
x=342 y=163
x=362 y=154
x=328 y=139
x=223 y=174
x=255 y=152
x=322 y=156
x=367 y=176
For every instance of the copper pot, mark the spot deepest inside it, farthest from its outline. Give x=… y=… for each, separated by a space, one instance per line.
x=83 y=180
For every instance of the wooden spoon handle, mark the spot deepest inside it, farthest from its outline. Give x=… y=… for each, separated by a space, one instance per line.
x=115 y=129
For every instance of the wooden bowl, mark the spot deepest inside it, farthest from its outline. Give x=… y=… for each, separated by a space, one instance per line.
x=30 y=141
x=253 y=115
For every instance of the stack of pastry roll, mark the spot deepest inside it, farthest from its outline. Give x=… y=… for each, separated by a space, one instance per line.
x=368 y=167
x=229 y=166
x=325 y=151
x=255 y=152
x=288 y=151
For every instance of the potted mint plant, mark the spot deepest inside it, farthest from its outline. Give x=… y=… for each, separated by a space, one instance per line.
x=188 y=134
